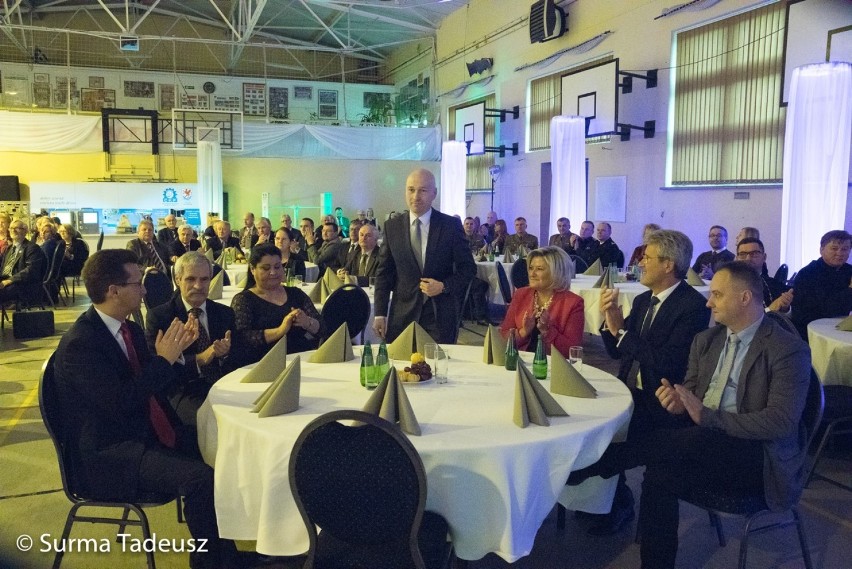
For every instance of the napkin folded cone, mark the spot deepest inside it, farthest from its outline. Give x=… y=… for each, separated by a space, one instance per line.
x=693 y=279
x=331 y=281
x=337 y=348
x=216 y=284
x=605 y=280
x=594 y=270
x=566 y=380
x=209 y=255
x=390 y=402
x=223 y=258
x=845 y=325
x=283 y=395
x=413 y=339
x=316 y=294
x=507 y=257
x=532 y=401
x=270 y=365
x=494 y=348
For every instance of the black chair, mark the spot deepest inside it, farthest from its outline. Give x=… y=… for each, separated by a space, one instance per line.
x=48 y=402
x=347 y=304
x=781 y=274
x=520 y=276
x=100 y=242
x=503 y=281
x=52 y=277
x=364 y=487
x=580 y=265
x=158 y=289
x=75 y=274
x=837 y=419
x=752 y=506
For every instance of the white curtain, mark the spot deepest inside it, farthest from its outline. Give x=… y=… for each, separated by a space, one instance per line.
x=32 y=132
x=568 y=170
x=209 y=165
x=453 y=178
x=816 y=159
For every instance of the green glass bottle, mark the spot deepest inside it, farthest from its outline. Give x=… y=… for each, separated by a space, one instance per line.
x=490 y=253
x=540 y=361
x=511 y=352
x=366 y=363
x=382 y=363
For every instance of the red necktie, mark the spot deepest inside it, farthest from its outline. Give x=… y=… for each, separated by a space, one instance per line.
x=159 y=420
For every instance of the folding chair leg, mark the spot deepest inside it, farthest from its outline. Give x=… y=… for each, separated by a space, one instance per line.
x=717 y=524
x=146 y=533
x=179 y=503
x=124 y=517
x=818 y=455
x=69 y=521
x=803 y=539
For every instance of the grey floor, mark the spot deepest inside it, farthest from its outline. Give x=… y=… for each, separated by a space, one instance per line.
x=32 y=504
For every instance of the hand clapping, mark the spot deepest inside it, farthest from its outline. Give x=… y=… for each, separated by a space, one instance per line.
x=178 y=337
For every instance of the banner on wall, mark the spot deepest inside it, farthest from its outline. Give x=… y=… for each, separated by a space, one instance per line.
x=116 y=207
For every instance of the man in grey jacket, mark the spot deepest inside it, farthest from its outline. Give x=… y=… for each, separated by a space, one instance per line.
x=734 y=423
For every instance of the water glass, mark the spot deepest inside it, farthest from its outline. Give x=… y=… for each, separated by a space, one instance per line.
x=438 y=359
x=575 y=356
x=631 y=273
x=372 y=282
x=297 y=280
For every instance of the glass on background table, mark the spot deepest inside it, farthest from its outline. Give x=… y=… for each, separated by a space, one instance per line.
x=494 y=482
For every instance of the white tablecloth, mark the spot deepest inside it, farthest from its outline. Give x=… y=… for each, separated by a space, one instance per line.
x=494 y=482
x=831 y=352
x=228 y=293
x=238 y=273
x=487 y=271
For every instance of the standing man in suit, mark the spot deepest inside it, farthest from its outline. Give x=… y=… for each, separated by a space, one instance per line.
x=425 y=261
x=205 y=360
x=364 y=262
x=734 y=423
x=248 y=234
x=151 y=255
x=120 y=428
x=653 y=342
x=710 y=261
x=24 y=265
x=169 y=234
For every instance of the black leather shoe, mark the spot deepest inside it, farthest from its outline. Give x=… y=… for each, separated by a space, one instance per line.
x=613 y=522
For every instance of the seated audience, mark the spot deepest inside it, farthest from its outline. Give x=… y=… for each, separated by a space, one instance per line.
x=342 y=222
x=331 y=254
x=292 y=263
x=122 y=436
x=521 y=238
x=546 y=308
x=752 y=232
x=223 y=240
x=248 y=234
x=501 y=235
x=352 y=242
x=563 y=237
x=824 y=287
x=639 y=251
x=365 y=261
x=168 y=234
x=474 y=239
x=485 y=231
x=50 y=241
x=604 y=248
x=776 y=296
x=585 y=242
x=150 y=254
x=24 y=266
x=264 y=231
x=205 y=360
x=5 y=239
x=267 y=311
x=734 y=424
x=490 y=219
x=76 y=251
x=184 y=243
x=709 y=262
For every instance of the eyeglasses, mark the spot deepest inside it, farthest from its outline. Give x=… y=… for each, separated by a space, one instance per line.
x=646 y=257
x=749 y=254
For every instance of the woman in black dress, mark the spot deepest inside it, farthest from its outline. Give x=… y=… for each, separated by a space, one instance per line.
x=266 y=311
x=289 y=260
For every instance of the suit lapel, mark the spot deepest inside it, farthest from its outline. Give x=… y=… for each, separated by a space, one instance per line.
x=435 y=228
x=664 y=313
x=108 y=341
x=755 y=348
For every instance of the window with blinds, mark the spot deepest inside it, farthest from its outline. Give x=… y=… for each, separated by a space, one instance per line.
x=728 y=126
x=478 y=177
x=546 y=103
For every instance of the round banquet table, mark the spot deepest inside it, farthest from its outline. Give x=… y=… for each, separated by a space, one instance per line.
x=238 y=272
x=228 y=293
x=831 y=351
x=487 y=271
x=494 y=482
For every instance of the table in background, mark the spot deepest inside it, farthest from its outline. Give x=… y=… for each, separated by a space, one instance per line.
x=237 y=273
x=228 y=293
x=495 y=483
x=831 y=351
x=487 y=271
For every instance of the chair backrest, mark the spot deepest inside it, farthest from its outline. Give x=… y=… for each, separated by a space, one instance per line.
x=100 y=242
x=503 y=281
x=51 y=415
x=814 y=405
x=520 y=276
x=580 y=265
x=158 y=289
x=55 y=264
x=784 y=321
x=781 y=274
x=347 y=304
x=363 y=484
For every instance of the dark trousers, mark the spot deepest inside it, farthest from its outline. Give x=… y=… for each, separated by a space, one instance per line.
x=430 y=320
x=180 y=473
x=679 y=456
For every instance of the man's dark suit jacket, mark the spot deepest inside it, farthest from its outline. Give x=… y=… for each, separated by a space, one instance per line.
x=176 y=249
x=105 y=410
x=353 y=265
x=146 y=258
x=664 y=351
x=328 y=255
x=715 y=260
x=220 y=319
x=217 y=245
x=448 y=260
x=30 y=264
x=608 y=253
x=166 y=237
